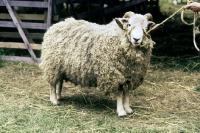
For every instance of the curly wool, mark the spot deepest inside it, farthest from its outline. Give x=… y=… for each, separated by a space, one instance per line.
x=89 y=54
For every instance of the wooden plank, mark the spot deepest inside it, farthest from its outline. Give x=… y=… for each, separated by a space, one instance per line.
x=27 y=25
x=19 y=58
x=30 y=40
x=49 y=14
x=24 y=16
x=18 y=45
x=19 y=28
x=45 y=15
x=26 y=4
x=16 y=35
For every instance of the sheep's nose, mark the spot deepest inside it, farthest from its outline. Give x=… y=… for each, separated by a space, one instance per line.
x=136 y=39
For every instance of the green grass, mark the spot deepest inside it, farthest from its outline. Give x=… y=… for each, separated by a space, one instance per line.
x=167 y=102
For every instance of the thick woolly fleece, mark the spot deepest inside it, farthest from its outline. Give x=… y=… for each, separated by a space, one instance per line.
x=90 y=55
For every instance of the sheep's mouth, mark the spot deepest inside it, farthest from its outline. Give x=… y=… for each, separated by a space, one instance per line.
x=136 y=44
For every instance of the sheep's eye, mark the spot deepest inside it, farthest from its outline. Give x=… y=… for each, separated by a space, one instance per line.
x=129 y=24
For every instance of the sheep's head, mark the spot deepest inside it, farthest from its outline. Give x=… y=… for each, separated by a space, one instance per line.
x=135 y=25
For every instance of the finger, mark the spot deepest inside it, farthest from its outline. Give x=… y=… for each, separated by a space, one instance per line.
x=186 y=7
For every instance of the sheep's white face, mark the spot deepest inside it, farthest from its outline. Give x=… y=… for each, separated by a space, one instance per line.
x=136 y=26
x=136 y=35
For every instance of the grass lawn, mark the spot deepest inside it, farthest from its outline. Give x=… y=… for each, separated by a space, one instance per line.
x=167 y=102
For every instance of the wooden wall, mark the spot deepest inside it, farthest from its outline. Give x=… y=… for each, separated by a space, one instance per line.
x=23 y=22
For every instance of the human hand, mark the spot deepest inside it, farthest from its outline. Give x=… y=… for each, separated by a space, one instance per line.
x=195 y=7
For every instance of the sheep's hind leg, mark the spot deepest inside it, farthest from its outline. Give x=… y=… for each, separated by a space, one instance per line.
x=59 y=89
x=126 y=103
x=53 y=97
x=120 y=109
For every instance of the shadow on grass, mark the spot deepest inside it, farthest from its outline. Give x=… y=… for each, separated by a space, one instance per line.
x=93 y=102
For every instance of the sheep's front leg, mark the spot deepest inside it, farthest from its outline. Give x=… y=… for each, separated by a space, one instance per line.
x=53 y=97
x=59 y=89
x=120 y=109
x=126 y=103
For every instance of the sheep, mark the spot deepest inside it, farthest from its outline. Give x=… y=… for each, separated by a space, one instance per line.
x=114 y=57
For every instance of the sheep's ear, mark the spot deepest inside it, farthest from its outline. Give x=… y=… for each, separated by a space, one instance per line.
x=122 y=23
x=151 y=24
x=153 y=27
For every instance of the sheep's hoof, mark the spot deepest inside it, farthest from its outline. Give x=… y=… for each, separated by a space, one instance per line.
x=129 y=110
x=55 y=102
x=122 y=116
x=59 y=98
x=121 y=113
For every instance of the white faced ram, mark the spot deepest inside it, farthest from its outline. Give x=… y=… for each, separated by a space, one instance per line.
x=113 y=57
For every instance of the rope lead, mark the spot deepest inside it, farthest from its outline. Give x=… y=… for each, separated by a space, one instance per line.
x=195 y=28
